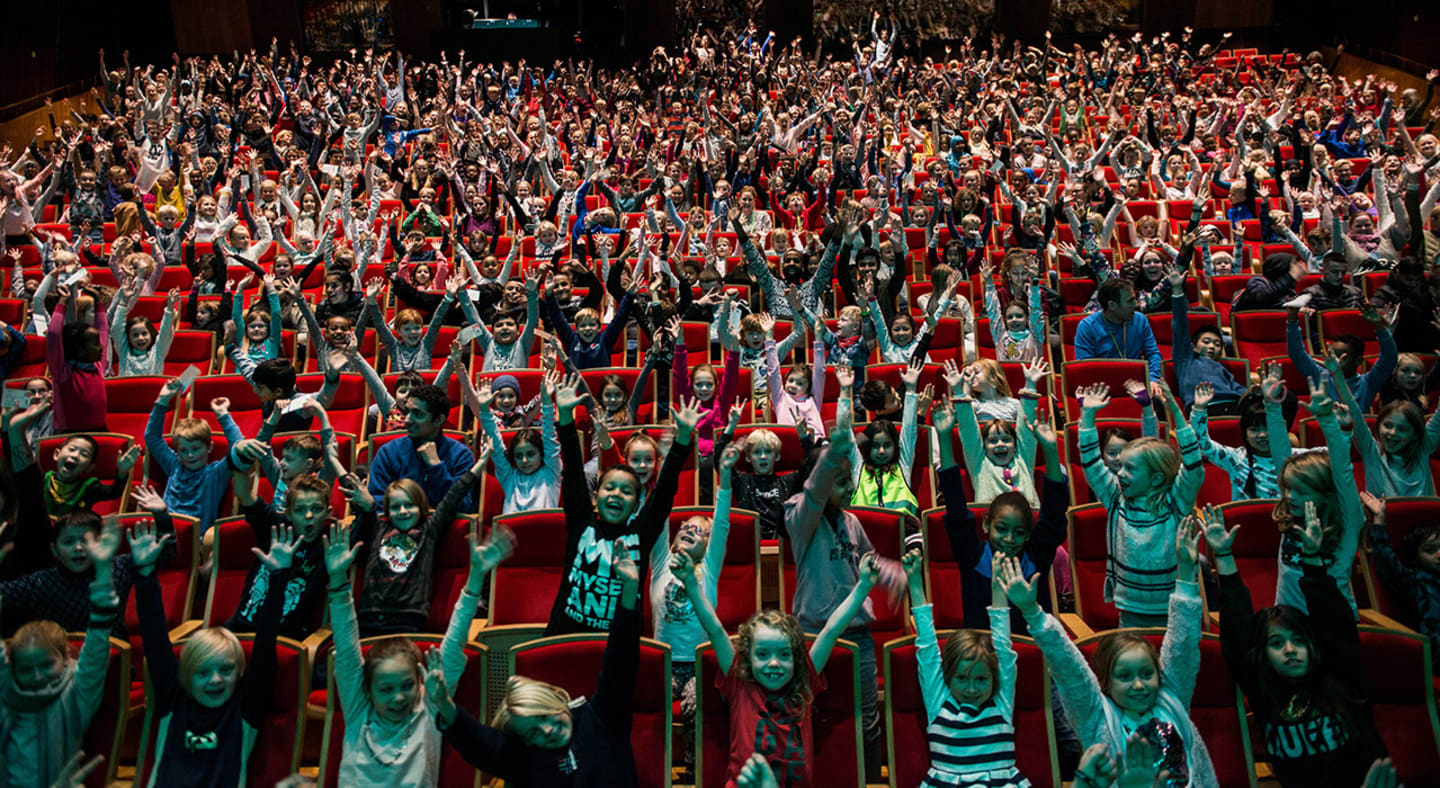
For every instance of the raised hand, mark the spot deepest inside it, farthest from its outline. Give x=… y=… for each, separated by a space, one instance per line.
x=284 y=542
x=1035 y=371
x=1221 y=541
x=1187 y=547
x=952 y=374
x=567 y=394
x=910 y=376
x=1093 y=397
x=339 y=553
x=102 y=547
x=1311 y=535
x=845 y=376
x=1320 y=403
x=1374 y=506
x=220 y=406
x=1020 y=591
x=355 y=492
x=1272 y=384
x=682 y=566
x=146 y=543
x=437 y=694
x=1045 y=432
x=488 y=554
x=1204 y=394
x=126 y=461
x=687 y=416
x=486 y=393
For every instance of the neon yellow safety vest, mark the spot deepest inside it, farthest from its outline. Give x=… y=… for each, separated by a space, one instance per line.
x=886 y=489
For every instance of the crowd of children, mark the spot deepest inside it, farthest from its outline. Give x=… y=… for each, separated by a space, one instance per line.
x=514 y=267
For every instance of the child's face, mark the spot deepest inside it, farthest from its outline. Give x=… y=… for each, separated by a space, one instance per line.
x=257 y=330
x=205 y=314
x=402 y=511
x=641 y=457
x=504 y=330
x=546 y=236
x=394 y=688
x=1008 y=532
x=617 y=497
x=588 y=328
x=309 y=513
x=704 y=385
x=543 y=731
x=1222 y=264
x=411 y=333
x=1135 y=479
x=1258 y=438
x=527 y=458
x=1135 y=681
x=284 y=267
x=902 y=332
x=1015 y=319
x=36 y=667
x=972 y=683
x=506 y=399
x=691 y=538
x=762 y=459
x=193 y=454
x=772 y=659
x=1396 y=434
x=36 y=390
x=140 y=338
x=796 y=385
x=848 y=325
x=69 y=549
x=755 y=340
x=294 y=462
x=882 y=449
x=613 y=398
x=337 y=332
x=1209 y=346
x=1427 y=555
x=1409 y=374
x=73 y=460
x=1000 y=447
x=215 y=680
x=1288 y=652
x=335 y=291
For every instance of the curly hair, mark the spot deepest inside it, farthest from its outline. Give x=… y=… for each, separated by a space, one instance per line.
x=797 y=690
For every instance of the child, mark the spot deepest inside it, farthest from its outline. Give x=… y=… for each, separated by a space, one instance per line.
x=1411 y=574
x=194 y=485
x=50 y=696
x=1009 y=524
x=700 y=541
x=586 y=344
x=60 y=593
x=1303 y=674
x=714 y=397
x=969 y=690
x=74 y=354
x=882 y=477
x=844 y=344
x=505 y=344
x=615 y=518
x=1145 y=500
x=416 y=341
x=1312 y=476
x=1000 y=454
x=1018 y=331
x=209 y=706
x=139 y=349
x=1410 y=382
x=391 y=738
x=263 y=327
x=70 y=487
x=798 y=398
x=989 y=390
x=1252 y=466
x=1128 y=688
x=749 y=342
x=528 y=469
x=540 y=736
x=339 y=332
x=305 y=513
x=273 y=382
x=303 y=454
x=828 y=542
x=762 y=490
x=1399 y=462
x=769 y=678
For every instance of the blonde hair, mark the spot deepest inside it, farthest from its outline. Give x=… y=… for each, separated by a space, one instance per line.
x=969 y=645
x=529 y=698
x=1157 y=456
x=851 y=312
x=192 y=430
x=207 y=644
x=588 y=312
x=763 y=438
x=994 y=375
x=167 y=210
x=41 y=634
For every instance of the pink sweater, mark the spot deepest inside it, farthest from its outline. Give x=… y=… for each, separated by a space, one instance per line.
x=79 y=402
x=715 y=413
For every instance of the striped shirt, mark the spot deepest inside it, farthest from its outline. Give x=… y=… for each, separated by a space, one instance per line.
x=969 y=746
x=1140 y=532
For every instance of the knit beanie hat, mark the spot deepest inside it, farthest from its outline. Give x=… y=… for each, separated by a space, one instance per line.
x=505 y=382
